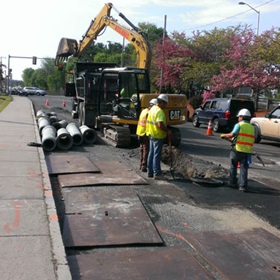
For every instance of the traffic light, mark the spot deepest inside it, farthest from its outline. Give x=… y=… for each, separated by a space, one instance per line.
x=34 y=60
x=60 y=67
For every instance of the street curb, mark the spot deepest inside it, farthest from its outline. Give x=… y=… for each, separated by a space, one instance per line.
x=60 y=263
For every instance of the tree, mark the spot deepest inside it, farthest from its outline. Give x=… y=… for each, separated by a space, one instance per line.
x=27 y=76
x=252 y=61
x=188 y=63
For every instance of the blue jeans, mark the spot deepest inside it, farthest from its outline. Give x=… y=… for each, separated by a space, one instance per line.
x=154 y=156
x=236 y=157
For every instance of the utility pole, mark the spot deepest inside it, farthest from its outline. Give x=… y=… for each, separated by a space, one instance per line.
x=34 y=61
x=1 y=73
x=163 y=38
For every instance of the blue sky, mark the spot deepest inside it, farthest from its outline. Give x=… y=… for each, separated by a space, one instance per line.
x=34 y=28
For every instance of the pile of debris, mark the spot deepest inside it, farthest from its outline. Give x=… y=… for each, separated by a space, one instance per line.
x=59 y=133
x=190 y=167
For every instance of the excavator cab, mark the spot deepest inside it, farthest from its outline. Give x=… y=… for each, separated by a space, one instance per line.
x=121 y=88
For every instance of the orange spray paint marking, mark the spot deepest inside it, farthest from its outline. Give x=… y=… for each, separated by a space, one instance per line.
x=48 y=193
x=54 y=217
x=7 y=227
x=17 y=214
x=186 y=225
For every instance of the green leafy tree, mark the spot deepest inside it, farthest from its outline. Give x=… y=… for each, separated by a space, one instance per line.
x=27 y=76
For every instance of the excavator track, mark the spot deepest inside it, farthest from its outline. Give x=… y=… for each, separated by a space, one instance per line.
x=117 y=135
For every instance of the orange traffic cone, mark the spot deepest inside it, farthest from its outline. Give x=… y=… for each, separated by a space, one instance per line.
x=210 y=128
x=63 y=104
x=47 y=102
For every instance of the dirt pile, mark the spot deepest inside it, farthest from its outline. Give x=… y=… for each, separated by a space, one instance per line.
x=189 y=166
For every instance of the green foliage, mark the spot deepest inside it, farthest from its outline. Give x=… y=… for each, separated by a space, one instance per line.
x=196 y=101
x=4 y=101
x=27 y=76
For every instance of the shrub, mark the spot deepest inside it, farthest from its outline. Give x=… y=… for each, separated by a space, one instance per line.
x=196 y=101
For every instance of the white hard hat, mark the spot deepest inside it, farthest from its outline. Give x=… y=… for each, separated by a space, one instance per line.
x=153 y=101
x=244 y=113
x=163 y=97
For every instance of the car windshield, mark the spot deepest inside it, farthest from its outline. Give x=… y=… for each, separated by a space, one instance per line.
x=275 y=114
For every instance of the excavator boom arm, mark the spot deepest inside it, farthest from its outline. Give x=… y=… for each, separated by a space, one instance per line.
x=68 y=47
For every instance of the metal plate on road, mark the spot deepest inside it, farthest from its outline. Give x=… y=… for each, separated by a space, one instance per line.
x=252 y=254
x=163 y=263
x=112 y=173
x=106 y=217
x=65 y=164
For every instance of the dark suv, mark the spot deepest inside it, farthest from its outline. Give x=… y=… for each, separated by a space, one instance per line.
x=222 y=112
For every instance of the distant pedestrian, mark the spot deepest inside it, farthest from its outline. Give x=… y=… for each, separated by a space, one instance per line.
x=157 y=131
x=143 y=138
x=242 y=138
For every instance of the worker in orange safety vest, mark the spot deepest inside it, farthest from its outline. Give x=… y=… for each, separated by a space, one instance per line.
x=242 y=138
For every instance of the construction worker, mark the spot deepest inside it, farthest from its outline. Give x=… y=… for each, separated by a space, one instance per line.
x=143 y=138
x=157 y=131
x=242 y=139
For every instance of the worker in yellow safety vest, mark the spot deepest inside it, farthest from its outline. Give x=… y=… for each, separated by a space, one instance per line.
x=242 y=138
x=157 y=131
x=143 y=138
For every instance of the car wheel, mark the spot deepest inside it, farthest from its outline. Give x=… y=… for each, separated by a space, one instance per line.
x=195 y=121
x=257 y=134
x=216 y=125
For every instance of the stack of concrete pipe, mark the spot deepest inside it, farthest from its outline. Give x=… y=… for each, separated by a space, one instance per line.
x=58 y=133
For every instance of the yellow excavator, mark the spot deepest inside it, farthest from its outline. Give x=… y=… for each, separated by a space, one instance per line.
x=68 y=47
x=109 y=98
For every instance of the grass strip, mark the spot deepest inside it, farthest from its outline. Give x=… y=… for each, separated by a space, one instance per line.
x=4 y=101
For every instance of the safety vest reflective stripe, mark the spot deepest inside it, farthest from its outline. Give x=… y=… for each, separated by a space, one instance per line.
x=245 y=138
x=141 y=127
x=244 y=143
x=247 y=135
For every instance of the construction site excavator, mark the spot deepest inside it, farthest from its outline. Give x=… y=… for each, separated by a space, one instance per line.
x=109 y=98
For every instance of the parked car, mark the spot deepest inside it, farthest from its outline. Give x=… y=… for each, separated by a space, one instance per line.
x=16 y=90
x=267 y=127
x=33 y=91
x=222 y=112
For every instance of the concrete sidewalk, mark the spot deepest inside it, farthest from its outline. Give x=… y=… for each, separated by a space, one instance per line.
x=31 y=246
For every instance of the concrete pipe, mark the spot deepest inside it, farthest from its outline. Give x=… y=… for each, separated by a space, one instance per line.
x=49 y=138
x=41 y=113
x=42 y=122
x=75 y=132
x=56 y=125
x=89 y=134
x=60 y=124
x=64 y=140
x=52 y=114
x=63 y=123
x=53 y=119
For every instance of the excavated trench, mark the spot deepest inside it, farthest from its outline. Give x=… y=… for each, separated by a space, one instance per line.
x=190 y=167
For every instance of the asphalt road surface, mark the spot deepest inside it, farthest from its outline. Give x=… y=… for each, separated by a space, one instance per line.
x=230 y=234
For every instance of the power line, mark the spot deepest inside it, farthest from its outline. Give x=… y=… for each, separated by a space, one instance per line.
x=208 y=24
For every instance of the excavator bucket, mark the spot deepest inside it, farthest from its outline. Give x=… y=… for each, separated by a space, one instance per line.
x=66 y=48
